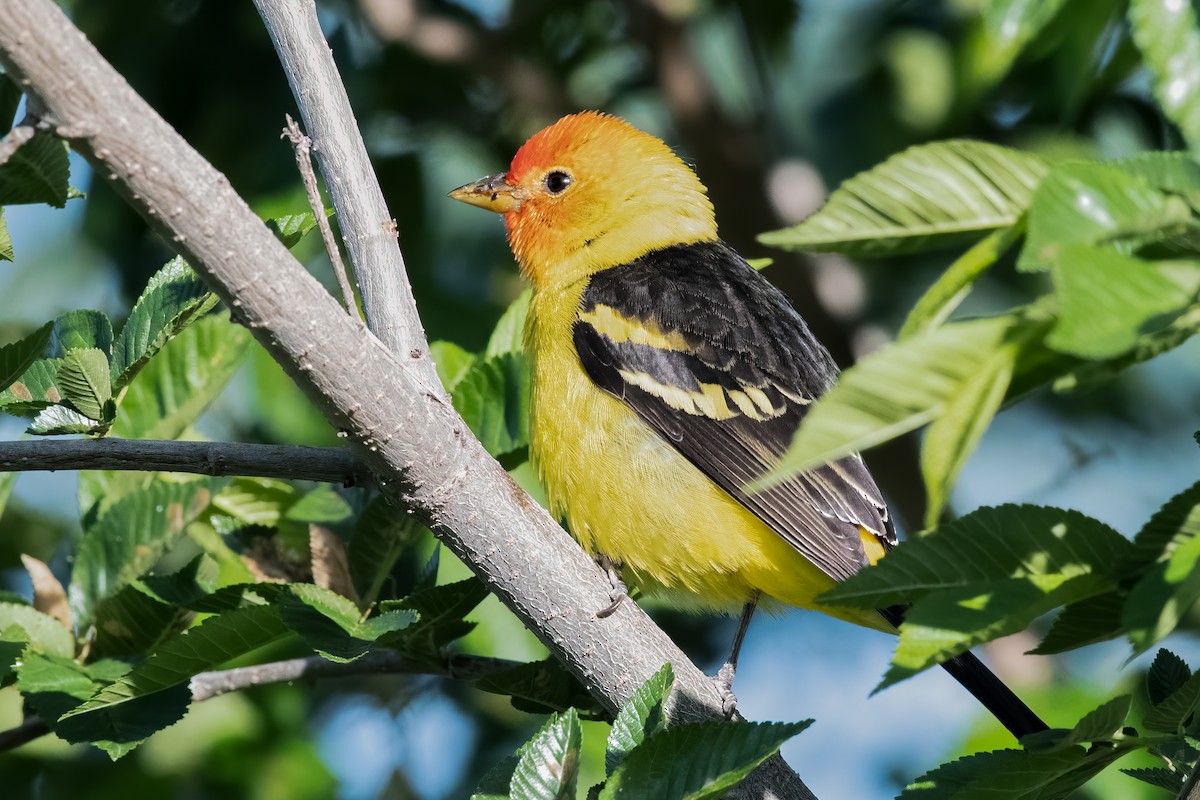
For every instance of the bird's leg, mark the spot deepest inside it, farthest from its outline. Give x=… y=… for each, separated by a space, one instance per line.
x=724 y=679
x=618 y=593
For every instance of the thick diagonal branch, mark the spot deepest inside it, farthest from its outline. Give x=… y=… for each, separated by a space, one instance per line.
x=408 y=435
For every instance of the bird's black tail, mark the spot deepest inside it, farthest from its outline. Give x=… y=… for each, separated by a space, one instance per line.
x=987 y=688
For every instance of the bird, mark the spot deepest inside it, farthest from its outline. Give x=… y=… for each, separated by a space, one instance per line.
x=668 y=375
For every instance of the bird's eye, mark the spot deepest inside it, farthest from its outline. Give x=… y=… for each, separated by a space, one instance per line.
x=557 y=181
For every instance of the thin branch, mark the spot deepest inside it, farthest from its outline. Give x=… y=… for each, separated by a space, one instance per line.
x=368 y=230
x=303 y=147
x=13 y=140
x=403 y=429
x=287 y=462
x=207 y=685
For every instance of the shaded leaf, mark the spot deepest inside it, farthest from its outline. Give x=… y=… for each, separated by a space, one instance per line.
x=1162 y=777
x=85 y=383
x=934 y=195
x=1167 y=36
x=185 y=586
x=1173 y=713
x=1013 y=773
x=49 y=597
x=10 y=100
x=1096 y=619
x=495 y=782
x=15 y=358
x=1107 y=300
x=1008 y=27
x=493 y=399
x=548 y=765
x=173 y=298
x=131 y=623
x=696 y=761
x=381 y=533
x=440 y=611
x=12 y=643
x=332 y=625
x=641 y=716
x=37 y=172
x=1099 y=725
x=538 y=687
x=1175 y=523
x=1167 y=674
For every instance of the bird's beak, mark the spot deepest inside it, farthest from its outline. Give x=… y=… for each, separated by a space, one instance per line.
x=492 y=193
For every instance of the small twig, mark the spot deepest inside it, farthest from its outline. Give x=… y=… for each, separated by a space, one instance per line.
x=208 y=685
x=289 y=462
x=302 y=144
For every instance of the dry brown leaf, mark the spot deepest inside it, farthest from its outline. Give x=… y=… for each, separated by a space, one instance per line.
x=330 y=567
x=48 y=594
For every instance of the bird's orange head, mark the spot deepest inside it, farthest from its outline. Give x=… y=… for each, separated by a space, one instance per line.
x=591 y=192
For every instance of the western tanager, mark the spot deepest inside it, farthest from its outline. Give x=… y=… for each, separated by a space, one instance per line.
x=668 y=374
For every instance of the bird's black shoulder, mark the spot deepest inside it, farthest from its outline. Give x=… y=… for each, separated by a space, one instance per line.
x=715 y=359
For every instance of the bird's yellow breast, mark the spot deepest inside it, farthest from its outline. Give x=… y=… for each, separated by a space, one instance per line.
x=628 y=494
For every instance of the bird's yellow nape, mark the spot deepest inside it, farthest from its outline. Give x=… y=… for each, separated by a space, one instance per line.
x=590 y=192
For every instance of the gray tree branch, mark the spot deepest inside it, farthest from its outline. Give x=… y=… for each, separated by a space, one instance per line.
x=289 y=462
x=408 y=435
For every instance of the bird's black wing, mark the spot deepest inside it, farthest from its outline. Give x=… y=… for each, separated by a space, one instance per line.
x=715 y=359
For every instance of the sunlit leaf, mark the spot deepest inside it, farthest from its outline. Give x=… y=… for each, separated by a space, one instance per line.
x=1166 y=33
x=507 y=336
x=1008 y=26
x=41 y=630
x=641 y=716
x=1170 y=584
x=548 y=765
x=452 y=362
x=291 y=228
x=934 y=195
x=85 y=383
x=493 y=399
x=332 y=625
x=15 y=358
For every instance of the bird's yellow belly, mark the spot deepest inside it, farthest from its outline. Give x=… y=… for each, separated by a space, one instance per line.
x=627 y=494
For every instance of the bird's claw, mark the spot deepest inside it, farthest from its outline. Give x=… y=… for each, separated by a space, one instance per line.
x=619 y=593
x=724 y=682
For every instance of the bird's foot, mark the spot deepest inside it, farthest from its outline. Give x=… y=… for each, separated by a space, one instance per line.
x=618 y=594
x=724 y=682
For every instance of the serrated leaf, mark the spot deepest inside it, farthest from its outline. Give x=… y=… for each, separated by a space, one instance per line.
x=37 y=386
x=537 y=687
x=1173 y=713
x=641 y=716
x=440 y=611
x=42 y=631
x=940 y=299
x=508 y=335
x=493 y=399
x=1167 y=674
x=256 y=501
x=131 y=623
x=6 y=245
x=1093 y=203
x=85 y=382
x=1096 y=619
x=1172 y=525
x=173 y=298
x=79 y=330
x=495 y=782
x=1162 y=777
x=38 y=172
x=186 y=585
x=548 y=768
x=934 y=195
x=208 y=645
x=953 y=436
x=332 y=624
x=452 y=362
x=381 y=533
x=1099 y=725
x=697 y=761
x=291 y=228
x=1166 y=34
x=1013 y=773
x=60 y=420
x=1158 y=601
x=1106 y=300
x=15 y=358
x=893 y=391
x=35 y=389
x=129 y=538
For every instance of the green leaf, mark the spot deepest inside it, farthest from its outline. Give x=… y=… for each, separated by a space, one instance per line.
x=37 y=386
x=697 y=761
x=1173 y=713
x=1100 y=725
x=213 y=642
x=508 y=335
x=131 y=623
x=548 y=768
x=6 y=245
x=952 y=437
x=291 y=228
x=15 y=358
x=186 y=585
x=332 y=625
x=59 y=420
x=1175 y=172
x=1174 y=524
x=42 y=631
x=37 y=172
x=1107 y=300
x=440 y=611
x=1162 y=777
x=85 y=383
x=940 y=300
x=322 y=505
x=35 y=389
x=1167 y=674
x=452 y=362
x=494 y=784
x=12 y=643
x=1096 y=619
x=1013 y=774
x=893 y=391
x=1166 y=34
x=538 y=687
x=641 y=716
x=381 y=533
x=1008 y=27
x=1092 y=203
x=256 y=501
x=934 y=195
x=79 y=330
x=128 y=539
x=174 y=297
x=177 y=384
x=493 y=399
